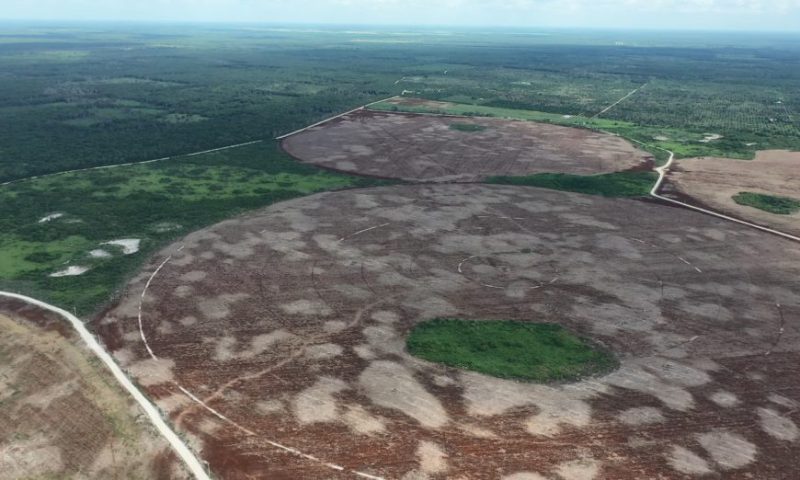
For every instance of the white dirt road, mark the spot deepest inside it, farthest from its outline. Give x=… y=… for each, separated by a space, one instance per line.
x=322 y=122
x=630 y=94
x=662 y=174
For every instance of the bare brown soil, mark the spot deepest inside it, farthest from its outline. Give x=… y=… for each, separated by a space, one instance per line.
x=426 y=148
x=61 y=414
x=290 y=322
x=714 y=182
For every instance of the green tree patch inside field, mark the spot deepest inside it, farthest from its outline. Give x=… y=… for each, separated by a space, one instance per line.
x=467 y=127
x=621 y=184
x=768 y=203
x=537 y=352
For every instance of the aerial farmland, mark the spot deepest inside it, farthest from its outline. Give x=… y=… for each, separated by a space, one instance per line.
x=452 y=260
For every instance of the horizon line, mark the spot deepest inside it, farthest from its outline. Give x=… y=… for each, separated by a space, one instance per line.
x=466 y=26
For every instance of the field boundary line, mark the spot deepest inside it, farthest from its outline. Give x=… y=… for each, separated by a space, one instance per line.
x=192 y=154
x=178 y=445
x=330 y=119
x=128 y=164
x=630 y=94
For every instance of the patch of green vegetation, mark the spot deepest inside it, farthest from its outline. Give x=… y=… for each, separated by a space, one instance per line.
x=768 y=203
x=620 y=184
x=467 y=127
x=469 y=110
x=154 y=202
x=525 y=351
x=183 y=118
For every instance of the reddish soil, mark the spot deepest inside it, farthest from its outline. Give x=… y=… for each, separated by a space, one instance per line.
x=714 y=182
x=61 y=416
x=290 y=323
x=426 y=148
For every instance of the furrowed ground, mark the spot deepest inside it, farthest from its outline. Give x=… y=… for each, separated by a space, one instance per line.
x=291 y=322
x=425 y=148
x=62 y=414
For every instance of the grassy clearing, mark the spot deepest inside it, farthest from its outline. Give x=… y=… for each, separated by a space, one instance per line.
x=621 y=184
x=155 y=202
x=469 y=110
x=768 y=203
x=525 y=351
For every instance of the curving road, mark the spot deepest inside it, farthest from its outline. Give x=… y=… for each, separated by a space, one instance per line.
x=662 y=174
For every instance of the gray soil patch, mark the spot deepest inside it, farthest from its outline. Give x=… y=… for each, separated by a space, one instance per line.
x=417 y=147
x=300 y=340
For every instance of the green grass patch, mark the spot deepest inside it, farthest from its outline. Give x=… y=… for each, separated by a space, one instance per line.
x=470 y=110
x=156 y=202
x=621 y=184
x=525 y=351
x=467 y=127
x=768 y=203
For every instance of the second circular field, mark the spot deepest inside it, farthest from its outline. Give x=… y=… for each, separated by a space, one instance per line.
x=277 y=341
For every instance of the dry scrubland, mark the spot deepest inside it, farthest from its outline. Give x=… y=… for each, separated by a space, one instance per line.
x=62 y=415
x=714 y=182
x=289 y=325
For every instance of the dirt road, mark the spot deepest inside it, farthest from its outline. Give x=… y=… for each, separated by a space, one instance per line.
x=181 y=449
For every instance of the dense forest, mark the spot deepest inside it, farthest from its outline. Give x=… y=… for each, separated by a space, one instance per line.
x=97 y=95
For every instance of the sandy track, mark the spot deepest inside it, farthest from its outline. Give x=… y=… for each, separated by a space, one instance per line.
x=608 y=108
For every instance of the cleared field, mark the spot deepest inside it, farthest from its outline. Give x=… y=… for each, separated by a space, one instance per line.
x=715 y=182
x=428 y=148
x=289 y=325
x=62 y=415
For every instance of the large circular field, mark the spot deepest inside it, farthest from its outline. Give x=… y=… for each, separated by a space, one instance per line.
x=276 y=341
x=458 y=149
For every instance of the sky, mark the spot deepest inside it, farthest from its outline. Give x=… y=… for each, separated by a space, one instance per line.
x=763 y=15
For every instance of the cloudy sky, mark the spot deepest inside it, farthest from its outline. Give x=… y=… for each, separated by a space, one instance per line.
x=669 y=14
